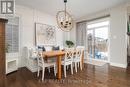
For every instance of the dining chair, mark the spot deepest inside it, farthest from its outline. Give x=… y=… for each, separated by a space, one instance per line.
x=68 y=60
x=77 y=59
x=46 y=48
x=42 y=64
x=70 y=49
x=81 y=47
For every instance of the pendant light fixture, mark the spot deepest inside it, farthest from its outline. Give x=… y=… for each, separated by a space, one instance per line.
x=64 y=19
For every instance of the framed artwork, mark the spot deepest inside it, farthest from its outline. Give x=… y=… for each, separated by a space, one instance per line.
x=45 y=34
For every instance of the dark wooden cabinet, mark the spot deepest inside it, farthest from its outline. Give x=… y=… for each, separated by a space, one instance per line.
x=2 y=51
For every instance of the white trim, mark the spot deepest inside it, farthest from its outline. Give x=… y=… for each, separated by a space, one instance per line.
x=98 y=60
x=98 y=27
x=118 y=65
x=111 y=63
x=99 y=20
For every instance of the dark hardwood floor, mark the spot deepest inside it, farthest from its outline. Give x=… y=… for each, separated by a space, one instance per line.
x=90 y=76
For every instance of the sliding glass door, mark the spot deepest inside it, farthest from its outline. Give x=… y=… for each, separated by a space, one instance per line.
x=90 y=43
x=97 y=40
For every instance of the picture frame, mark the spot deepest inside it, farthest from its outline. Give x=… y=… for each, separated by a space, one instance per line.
x=45 y=34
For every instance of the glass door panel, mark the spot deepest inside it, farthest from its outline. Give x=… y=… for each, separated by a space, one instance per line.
x=90 y=44
x=97 y=40
x=101 y=43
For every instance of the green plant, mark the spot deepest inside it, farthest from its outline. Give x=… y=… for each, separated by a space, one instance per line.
x=69 y=43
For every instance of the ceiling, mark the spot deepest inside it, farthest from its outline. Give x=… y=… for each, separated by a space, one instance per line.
x=77 y=8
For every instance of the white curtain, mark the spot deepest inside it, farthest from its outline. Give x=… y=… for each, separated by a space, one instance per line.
x=81 y=34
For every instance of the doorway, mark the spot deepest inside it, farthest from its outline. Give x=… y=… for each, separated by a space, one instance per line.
x=98 y=40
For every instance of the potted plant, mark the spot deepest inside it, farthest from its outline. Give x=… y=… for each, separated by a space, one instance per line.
x=69 y=43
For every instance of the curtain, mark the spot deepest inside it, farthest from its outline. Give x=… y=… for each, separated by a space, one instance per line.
x=81 y=34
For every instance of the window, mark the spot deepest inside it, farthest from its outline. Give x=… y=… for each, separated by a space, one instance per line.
x=100 y=28
x=12 y=35
x=98 y=39
x=100 y=24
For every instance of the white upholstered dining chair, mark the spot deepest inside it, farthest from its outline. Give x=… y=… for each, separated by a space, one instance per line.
x=42 y=64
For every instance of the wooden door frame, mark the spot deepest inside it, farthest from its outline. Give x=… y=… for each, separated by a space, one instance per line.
x=2 y=52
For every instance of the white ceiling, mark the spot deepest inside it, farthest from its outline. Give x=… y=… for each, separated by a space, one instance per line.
x=77 y=8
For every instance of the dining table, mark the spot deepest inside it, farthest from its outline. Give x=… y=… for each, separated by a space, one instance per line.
x=59 y=54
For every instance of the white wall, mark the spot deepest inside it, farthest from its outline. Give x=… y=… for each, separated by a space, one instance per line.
x=128 y=9
x=73 y=34
x=66 y=36
x=118 y=39
x=118 y=36
x=28 y=17
x=128 y=12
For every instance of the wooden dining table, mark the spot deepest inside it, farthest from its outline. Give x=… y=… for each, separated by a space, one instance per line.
x=57 y=54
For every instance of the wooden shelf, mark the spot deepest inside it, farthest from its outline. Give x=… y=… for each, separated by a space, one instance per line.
x=11 y=62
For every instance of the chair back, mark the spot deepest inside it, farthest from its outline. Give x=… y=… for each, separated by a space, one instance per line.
x=69 y=55
x=40 y=59
x=69 y=49
x=79 y=53
x=81 y=48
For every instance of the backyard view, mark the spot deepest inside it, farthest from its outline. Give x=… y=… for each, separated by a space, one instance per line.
x=97 y=40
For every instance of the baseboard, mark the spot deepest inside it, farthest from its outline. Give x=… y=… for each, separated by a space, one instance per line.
x=98 y=60
x=118 y=65
x=112 y=64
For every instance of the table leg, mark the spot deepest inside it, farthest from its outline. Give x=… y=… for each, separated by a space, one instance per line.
x=59 y=67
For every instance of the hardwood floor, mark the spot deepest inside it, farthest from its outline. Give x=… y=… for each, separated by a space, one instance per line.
x=90 y=76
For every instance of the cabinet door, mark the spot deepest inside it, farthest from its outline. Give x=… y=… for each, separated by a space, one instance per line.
x=2 y=54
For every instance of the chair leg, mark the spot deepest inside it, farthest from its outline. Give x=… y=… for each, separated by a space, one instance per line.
x=49 y=69
x=55 y=70
x=38 y=71
x=43 y=70
x=71 y=68
x=80 y=65
x=67 y=67
x=75 y=66
x=65 y=71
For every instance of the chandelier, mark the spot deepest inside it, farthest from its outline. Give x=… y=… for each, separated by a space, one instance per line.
x=64 y=19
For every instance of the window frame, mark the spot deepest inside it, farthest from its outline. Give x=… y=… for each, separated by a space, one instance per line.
x=18 y=24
